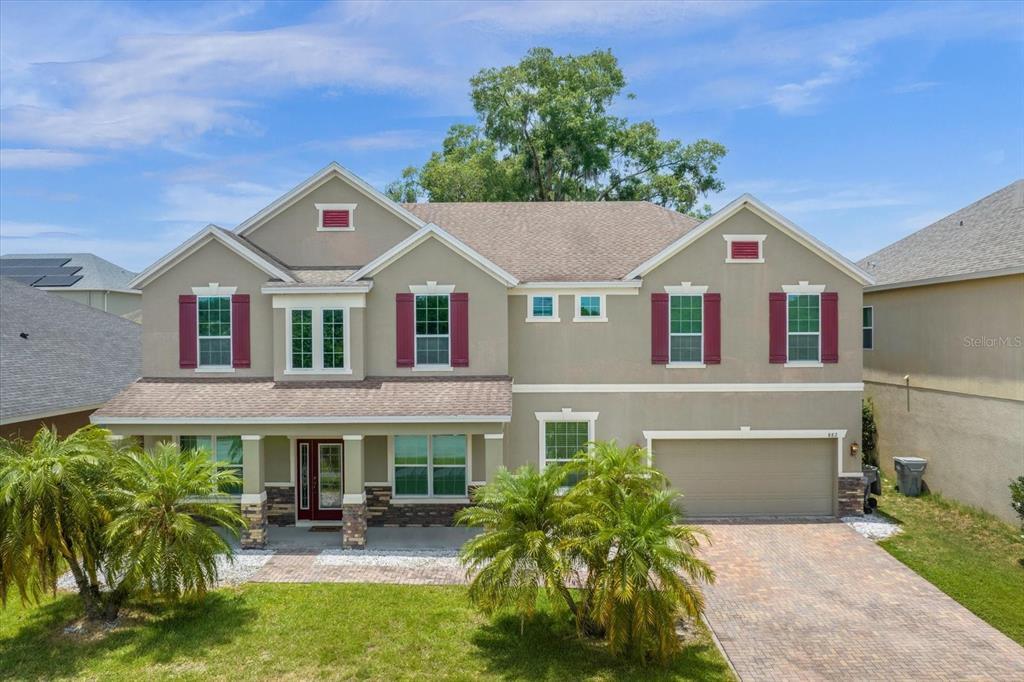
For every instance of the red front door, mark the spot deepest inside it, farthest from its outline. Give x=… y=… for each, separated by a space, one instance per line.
x=318 y=467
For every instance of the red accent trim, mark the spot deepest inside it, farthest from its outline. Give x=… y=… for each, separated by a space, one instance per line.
x=460 y=329
x=335 y=218
x=776 y=327
x=829 y=327
x=188 y=332
x=712 y=329
x=659 y=329
x=745 y=250
x=240 y=356
x=405 y=330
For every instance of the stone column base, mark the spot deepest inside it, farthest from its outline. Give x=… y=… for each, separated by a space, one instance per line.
x=851 y=496
x=255 y=515
x=353 y=526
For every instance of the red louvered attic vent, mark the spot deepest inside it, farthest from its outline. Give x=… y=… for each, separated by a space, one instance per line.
x=745 y=250
x=336 y=218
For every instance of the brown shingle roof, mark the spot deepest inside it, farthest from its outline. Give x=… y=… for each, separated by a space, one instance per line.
x=374 y=398
x=561 y=241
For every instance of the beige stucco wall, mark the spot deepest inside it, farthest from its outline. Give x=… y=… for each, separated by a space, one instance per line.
x=212 y=262
x=277 y=459
x=479 y=460
x=433 y=261
x=966 y=337
x=292 y=237
x=974 y=445
x=619 y=351
x=115 y=302
x=375 y=459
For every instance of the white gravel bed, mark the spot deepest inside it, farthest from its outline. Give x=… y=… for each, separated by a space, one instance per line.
x=247 y=562
x=873 y=526
x=396 y=559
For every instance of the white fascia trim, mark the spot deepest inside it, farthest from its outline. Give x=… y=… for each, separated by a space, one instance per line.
x=432 y=289
x=14 y=419
x=331 y=300
x=360 y=288
x=415 y=239
x=778 y=387
x=566 y=415
x=686 y=289
x=198 y=240
x=103 y=289
x=331 y=170
x=803 y=287
x=759 y=238
x=320 y=208
x=768 y=214
x=214 y=289
x=454 y=419
x=554 y=307
x=1016 y=270
x=525 y=287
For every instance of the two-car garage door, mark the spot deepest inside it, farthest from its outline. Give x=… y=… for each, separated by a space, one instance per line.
x=750 y=477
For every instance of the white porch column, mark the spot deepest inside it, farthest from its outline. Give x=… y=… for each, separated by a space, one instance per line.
x=494 y=456
x=254 y=493
x=353 y=506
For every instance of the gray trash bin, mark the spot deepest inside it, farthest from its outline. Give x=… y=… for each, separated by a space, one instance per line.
x=909 y=472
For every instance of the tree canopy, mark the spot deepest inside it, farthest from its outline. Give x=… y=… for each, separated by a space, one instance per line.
x=544 y=133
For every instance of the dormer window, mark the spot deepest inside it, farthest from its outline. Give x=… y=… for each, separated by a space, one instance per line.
x=335 y=217
x=744 y=248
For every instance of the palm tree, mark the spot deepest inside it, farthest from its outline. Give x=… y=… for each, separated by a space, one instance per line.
x=162 y=540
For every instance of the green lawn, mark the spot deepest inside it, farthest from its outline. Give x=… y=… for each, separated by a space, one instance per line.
x=373 y=632
x=970 y=555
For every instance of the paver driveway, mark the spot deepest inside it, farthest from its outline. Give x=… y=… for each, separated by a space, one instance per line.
x=816 y=601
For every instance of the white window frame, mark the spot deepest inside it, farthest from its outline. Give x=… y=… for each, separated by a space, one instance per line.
x=565 y=415
x=320 y=478
x=530 y=317
x=430 y=496
x=603 y=317
x=730 y=238
x=431 y=289
x=870 y=327
x=303 y=451
x=803 y=289
x=213 y=452
x=320 y=208
x=686 y=289
x=318 y=340
x=230 y=367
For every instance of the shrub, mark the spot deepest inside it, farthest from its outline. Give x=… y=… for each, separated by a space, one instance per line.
x=1017 y=498
x=869 y=433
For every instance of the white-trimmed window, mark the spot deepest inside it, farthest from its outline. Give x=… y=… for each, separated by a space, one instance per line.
x=744 y=248
x=803 y=328
x=542 y=308
x=317 y=342
x=563 y=435
x=590 y=308
x=335 y=217
x=433 y=330
x=214 y=328
x=686 y=329
x=226 y=452
x=430 y=466
x=868 y=327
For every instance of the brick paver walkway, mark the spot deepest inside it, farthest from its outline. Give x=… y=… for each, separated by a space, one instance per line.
x=816 y=601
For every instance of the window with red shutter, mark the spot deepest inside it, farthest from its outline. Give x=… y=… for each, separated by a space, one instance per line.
x=460 y=328
x=712 y=329
x=188 y=339
x=240 y=353
x=405 y=332
x=659 y=329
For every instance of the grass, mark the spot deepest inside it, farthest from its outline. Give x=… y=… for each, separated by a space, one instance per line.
x=974 y=557
x=297 y=632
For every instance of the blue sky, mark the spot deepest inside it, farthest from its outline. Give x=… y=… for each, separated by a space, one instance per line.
x=126 y=127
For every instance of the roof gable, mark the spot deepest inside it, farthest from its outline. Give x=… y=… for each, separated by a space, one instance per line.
x=435 y=232
x=331 y=170
x=762 y=210
x=212 y=232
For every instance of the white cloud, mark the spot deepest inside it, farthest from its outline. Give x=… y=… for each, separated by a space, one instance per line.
x=226 y=205
x=41 y=158
x=909 y=88
x=389 y=140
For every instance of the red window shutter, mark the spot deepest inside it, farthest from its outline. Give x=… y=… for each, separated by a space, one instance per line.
x=334 y=218
x=830 y=327
x=188 y=332
x=460 y=329
x=659 y=329
x=776 y=327
x=240 y=355
x=405 y=330
x=712 y=329
x=745 y=250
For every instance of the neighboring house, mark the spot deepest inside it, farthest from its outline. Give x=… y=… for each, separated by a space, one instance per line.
x=944 y=349
x=80 y=277
x=59 y=360
x=365 y=362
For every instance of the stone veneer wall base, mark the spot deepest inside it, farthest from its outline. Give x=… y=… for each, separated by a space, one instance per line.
x=381 y=510
x=255 y=534
x=851 y=496
x=281 y=505
x=353 y=526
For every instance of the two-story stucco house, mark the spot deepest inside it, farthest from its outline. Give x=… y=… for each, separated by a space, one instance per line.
x=365 y=363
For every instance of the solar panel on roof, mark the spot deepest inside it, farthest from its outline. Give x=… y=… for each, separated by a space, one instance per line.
x=24 y=279
x=9 y=270
x=57 y=280
x=35 y=262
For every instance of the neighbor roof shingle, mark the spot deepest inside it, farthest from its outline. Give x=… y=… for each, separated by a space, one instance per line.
x=372 y=397
x=74 y=356
x=564 y=240
x=986 y=236
x=96 y=273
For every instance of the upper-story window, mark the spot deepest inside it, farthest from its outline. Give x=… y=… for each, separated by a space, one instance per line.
x=542 y=308
x=744 y=248
x=686 y=329
x=803 y=327
x=334 y=338
x=590 y=308
x=302 y=339
x=433 y=338
x=868 y=327
x=214 y=331
x=335 y=217
x=317 y=340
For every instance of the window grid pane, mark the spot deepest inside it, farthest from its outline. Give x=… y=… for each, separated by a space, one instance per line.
x=590 y=306
x=562 y=440
x=686 y=324
x=334 y=339
x=302 y=339
x=804 y=323
x=214 y=331
x=543 y=306
x=432 y=330
x=869 y=340
x=229 y=457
